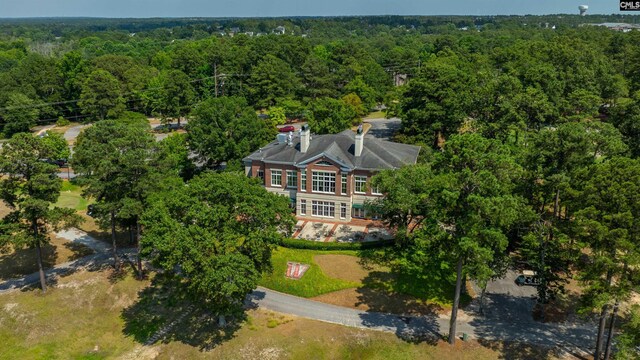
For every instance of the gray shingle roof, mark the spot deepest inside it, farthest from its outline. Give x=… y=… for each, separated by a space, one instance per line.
x=376 y=154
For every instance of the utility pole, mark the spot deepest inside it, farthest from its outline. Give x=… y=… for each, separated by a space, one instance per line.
x=215 y=78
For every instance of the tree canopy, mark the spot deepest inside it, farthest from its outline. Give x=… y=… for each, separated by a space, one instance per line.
x=218 y=231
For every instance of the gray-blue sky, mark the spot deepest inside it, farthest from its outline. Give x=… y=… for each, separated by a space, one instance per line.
x=251 y=8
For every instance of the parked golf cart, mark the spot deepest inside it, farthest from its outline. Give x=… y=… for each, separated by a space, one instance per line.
x=528 y=277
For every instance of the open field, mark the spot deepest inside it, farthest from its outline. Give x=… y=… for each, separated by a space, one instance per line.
x=339 y=278
x=92 y=315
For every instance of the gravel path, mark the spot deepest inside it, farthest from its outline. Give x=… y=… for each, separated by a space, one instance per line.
x=102 y=255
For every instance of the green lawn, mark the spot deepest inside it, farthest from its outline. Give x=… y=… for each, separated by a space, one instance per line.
x=375 y=115
x=70 y=197
x=313 y=283
x=432 y=289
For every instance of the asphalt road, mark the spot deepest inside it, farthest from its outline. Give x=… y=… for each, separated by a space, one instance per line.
x=568 y=337
x=72 y=133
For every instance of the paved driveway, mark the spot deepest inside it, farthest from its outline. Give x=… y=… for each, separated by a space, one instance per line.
x=72 y=133
x=383 y=128
x=506 y=301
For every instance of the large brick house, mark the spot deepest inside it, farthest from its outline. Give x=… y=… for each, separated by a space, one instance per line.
x=327 y=176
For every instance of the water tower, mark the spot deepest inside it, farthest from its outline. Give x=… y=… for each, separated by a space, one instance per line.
x=583 y=9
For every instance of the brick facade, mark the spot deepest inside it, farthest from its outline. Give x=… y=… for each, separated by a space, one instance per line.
x=338 y=198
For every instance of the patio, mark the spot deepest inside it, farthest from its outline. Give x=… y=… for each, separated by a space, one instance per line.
x=340 y=232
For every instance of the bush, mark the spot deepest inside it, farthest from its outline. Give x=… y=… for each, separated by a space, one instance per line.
x=327 y=246
x=62 y=121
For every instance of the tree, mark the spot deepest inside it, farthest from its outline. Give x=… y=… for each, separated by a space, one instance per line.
x=317 y=79
x=293 y=109
x=609 y=223
x=435 y=103
x=270 y=79
x=57 y=144
x=71 y=67
x=30 y=187
x=277 y=115
x=218 y=233
x=355 y=103
x=364 y=92
x=626 y=117
x=226 y=129
x=101 y=96
x=472 y=192
x=329 y=116
x=170 y=95
x=627 y=345
x=552 y=160
x=20 y=114
x=171 y=157
x=406 y=203
x=111 y=159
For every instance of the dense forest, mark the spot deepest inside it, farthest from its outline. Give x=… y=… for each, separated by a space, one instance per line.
x=91 y=69
x=529 y=127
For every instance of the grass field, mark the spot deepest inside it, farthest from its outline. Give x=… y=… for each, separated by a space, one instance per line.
x=91 y=315
x=70 y=197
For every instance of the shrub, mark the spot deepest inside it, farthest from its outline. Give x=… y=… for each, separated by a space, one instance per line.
x=62 y=121
x=327 y=246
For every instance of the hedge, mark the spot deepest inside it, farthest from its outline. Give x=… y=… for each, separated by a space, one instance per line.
x=313 y=245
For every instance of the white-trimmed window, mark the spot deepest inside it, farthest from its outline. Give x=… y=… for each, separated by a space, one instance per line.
x=276 y=177
x=303 y=207
x=375 y=191
x=323 y=208
x=360 y=184
x=343 y=211
x=357 y=212
x=303 y=180
x=292 y=179
x=324 y=182
x=344 y=184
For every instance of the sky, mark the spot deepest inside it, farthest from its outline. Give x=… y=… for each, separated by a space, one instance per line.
x=270 y=8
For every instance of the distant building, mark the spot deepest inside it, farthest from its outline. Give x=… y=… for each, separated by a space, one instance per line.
x=249 y=33
x=624 y=27
x=400 y=79
x=280 y=30
x=327 y=177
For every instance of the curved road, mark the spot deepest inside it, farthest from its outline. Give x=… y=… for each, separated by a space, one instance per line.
x=571 y=339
